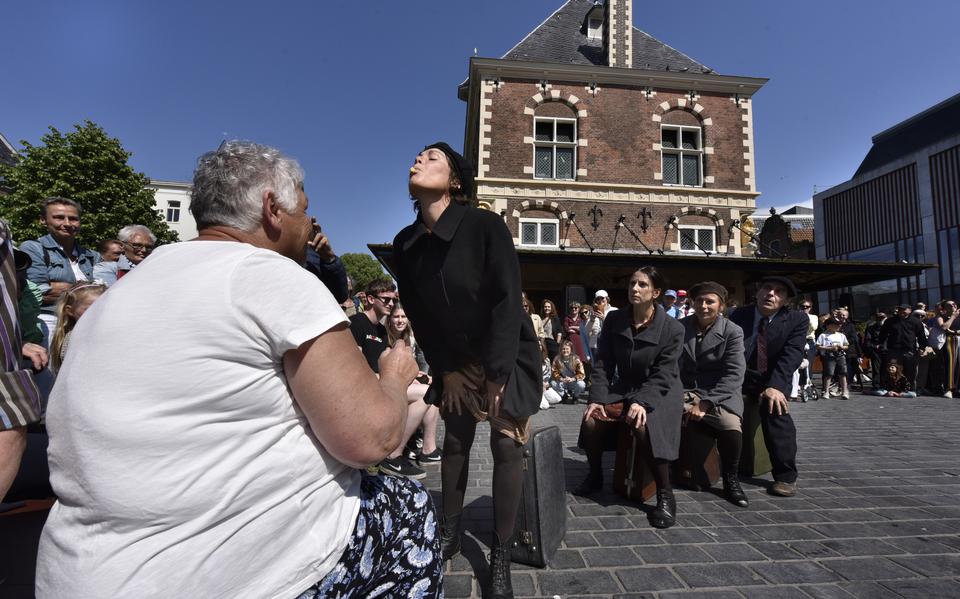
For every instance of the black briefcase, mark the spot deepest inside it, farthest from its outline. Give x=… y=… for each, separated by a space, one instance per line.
x=542 y=517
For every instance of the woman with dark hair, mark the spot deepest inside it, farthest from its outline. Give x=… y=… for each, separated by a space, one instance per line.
x=712 y=367
x=636 y=384
x=460 y=281
x=552 y=332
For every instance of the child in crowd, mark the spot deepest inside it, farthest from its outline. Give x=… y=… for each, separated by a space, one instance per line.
x=568 y=374
x=550 y=396
x=70 y=307
x=833 y=346
x=894 y=383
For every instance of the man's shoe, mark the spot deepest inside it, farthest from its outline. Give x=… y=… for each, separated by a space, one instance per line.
x=590 y=485
x=665 y=514
x=782 y=489
x=948 y=395
x=450 y=536
x=433 y=457
x=845 y=395
x=402 y=466
x=501 y=586
x=733 y=492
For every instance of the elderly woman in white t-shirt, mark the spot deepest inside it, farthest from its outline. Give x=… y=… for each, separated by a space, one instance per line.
x=227 y=460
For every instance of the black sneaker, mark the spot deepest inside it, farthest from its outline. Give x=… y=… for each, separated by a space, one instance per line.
x=433 y=457
x=401 y=466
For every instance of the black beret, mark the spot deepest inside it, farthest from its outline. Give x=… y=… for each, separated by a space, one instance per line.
x=708 y=287
x=786 y=282
x=461 y=167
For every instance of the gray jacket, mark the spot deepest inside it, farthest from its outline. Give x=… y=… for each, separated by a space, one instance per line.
x=716 y=371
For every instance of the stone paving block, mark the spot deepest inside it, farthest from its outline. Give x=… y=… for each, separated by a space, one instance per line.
x=682 y=535
x=733 y=552
x=729 y=534
x=931 y=565
x=717 y=594
x=606 y=557
x=458 y=585
x=648 y=579
x=949 y=540
x=825 y=591
x=867 y=568
x=582 y=524
x=812 y=549
x=796 y=572
x=566 y=559
x=797 y=517
x=579 y=539
x=856 y=547
x=615 y=522
x=776 y=551
x=522 y=584
x=582 y=582
x=868 y=590
x=773 y=592
x=923 y=588
x=595 y=509
x=717 y=575
x=920 y=545
x=672 y=554
x=616 y=538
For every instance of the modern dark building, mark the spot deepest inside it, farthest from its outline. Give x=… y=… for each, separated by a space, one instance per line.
x=902 y=205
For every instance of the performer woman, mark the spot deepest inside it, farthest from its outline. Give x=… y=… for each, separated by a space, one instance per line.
x=712 y=367
x=637 y=367
x=459 y=278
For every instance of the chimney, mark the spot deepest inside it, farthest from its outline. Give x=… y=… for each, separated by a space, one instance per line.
x=618 y=33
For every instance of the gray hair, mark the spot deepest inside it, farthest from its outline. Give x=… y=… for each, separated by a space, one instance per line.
x=58 y=200
x=127 y=232
x=229 y=183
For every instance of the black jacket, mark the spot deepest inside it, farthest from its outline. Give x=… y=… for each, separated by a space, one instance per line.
x=903 y=334
x=643 y=369
x=786 y=337
x=460 y=287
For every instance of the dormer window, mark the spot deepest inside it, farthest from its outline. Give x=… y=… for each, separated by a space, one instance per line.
x=594 y=28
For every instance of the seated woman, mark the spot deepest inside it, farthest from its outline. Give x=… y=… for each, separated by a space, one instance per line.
x=636 y=367
x=568 y=374
x=712 y=367
x=893 y=383
x=550 y=396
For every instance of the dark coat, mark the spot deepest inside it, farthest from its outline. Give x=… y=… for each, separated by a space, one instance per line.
x=786 y=338
x=643 y=370
x=460 y=287
x=716 y=371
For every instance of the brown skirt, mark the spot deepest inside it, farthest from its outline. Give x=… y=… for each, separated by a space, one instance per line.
x=517 y=429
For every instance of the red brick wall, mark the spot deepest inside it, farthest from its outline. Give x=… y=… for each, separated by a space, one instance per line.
x=620 y=133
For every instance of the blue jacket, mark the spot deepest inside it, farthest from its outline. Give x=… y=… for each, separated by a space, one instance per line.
x=51 y=264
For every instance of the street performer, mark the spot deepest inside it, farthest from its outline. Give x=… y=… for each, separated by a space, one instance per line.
x=774 y=341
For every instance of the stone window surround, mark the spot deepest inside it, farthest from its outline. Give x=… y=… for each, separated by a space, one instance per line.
x=679 y=151
x=575 y=104
x=539 y=221
x=697 y=110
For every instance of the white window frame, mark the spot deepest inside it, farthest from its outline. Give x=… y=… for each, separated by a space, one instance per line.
x=539 y=222
x=173 y=208
x=696 y=250
x=680 y=152
x=594 y=33
x=554 y=145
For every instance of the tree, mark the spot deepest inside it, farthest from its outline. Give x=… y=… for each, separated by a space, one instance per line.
x=85 y=165
x=362 y=268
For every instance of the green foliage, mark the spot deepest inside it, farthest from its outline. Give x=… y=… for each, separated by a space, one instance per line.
x=362 y=268
x=89 y=167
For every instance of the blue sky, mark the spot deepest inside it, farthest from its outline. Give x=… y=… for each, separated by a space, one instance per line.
x=354 y=89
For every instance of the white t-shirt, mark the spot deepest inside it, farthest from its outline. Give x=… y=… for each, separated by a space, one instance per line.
x=831 y=339
x=182 y=464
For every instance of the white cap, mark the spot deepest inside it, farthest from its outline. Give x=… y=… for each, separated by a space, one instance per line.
x=600 y=293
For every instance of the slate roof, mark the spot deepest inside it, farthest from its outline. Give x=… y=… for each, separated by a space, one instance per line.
x=6 y=151
x=562 y=38
x=921 y=130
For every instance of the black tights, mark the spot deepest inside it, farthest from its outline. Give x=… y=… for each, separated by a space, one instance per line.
x=729 y=445
x=596 y=436
x=507 y=471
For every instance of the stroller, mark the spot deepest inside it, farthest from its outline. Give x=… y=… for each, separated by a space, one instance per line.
x=809 y=391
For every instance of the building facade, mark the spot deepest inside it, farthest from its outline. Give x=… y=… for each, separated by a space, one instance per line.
x=592 y=136
x=172 y=202
x=902 y=205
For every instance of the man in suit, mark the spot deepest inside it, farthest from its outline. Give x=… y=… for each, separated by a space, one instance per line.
x=774 y=338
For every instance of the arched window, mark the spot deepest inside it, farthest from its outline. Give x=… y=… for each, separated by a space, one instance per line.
x=681 y=149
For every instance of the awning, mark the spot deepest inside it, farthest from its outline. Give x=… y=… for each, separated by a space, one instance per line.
x=546 y=269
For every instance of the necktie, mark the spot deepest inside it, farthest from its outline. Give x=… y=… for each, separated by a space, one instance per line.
x=762 y=346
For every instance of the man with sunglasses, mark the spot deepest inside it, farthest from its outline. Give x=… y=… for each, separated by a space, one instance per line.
x=138 y=243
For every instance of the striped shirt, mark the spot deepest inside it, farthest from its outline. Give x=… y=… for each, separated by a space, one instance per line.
x=19 y=398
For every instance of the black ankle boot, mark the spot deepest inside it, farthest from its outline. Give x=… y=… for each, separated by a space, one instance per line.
x=501 y=587
x=733 y=492
x=590 y=485
x=665 y=514
x=450 y=536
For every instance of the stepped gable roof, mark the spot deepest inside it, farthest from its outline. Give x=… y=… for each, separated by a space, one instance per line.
x=562 y=38
x=921 y=130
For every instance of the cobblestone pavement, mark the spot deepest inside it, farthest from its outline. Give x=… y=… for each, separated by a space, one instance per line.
x=877 y=515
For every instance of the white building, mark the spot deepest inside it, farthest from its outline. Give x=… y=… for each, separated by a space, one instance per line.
x=172 y=201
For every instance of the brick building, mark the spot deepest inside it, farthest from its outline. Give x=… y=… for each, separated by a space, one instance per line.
x=604 y=148
x=902 y=205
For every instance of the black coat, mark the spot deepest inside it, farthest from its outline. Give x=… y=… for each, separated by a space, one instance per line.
x=715 y=370
x=786 y=338
x=460 y=288
x=643 y=369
